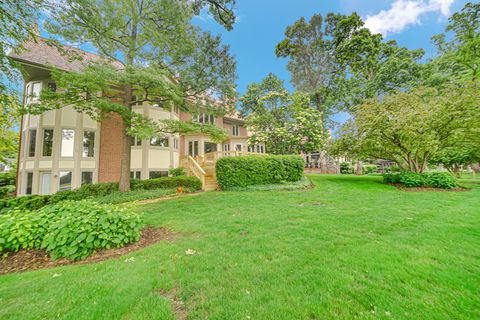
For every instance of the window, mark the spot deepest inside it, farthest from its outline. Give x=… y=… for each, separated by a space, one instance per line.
x=251 y=148
x=176 y=109
x=87 y=177
x=28 y=186
x=226 y=147
x=175 y=143
x=136 y=142
x=68 y=141
x=238 y=147
x=236 y=130
x=33 y=91
x=158 y=174
x=32 y=138
x=204 y=118
x=52 y=86
x=88 y=144
x=209 y=147
x=47 y=142
x=135 y=174
x=159 y=141
x=193 y=148
x=65 y=182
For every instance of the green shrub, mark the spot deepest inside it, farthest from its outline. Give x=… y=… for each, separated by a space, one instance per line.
x=84 y=192
x=442 y=180
x=346 y=168
x=82 y=227
x=6 y=191
x=98 y=190
x=369 y=168
x=412 y=180
x=21 y=229
x=8 y=178
x=191 y=183
x=257 y=170
x=70 y=229
x=392 y=178
x=177 y=172
x=32 y=202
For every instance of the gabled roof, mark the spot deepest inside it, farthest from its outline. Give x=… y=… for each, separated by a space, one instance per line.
x=39 y=52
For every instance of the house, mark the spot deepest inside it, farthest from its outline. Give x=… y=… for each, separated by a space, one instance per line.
x=63 y=149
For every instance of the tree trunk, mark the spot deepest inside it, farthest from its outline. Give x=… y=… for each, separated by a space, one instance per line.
x=124 y=183
x=358 y=167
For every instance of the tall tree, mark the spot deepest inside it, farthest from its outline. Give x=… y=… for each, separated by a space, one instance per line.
x=459 y=46
x=374 y=67
x=285 y=123
x=341 y=63
x=312 y=62
x=152 y=53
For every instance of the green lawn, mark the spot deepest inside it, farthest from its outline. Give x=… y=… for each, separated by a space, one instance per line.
x=350 y=248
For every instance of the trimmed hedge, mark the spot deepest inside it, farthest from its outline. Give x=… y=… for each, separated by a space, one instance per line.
x=70 y=229
x=256 y=170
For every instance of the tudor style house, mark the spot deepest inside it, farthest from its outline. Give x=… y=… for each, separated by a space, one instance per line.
x=63 y=149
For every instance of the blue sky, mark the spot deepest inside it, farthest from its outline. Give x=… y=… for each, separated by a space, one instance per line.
x=261 y=25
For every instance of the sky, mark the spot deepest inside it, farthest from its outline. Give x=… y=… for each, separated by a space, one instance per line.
x=261 y=25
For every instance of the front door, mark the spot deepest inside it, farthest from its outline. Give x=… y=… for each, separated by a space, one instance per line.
x=45 y=178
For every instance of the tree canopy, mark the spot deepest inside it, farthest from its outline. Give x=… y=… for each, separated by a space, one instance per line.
x=411 y=128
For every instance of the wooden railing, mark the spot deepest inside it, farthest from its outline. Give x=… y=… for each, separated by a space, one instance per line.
x=195 y=168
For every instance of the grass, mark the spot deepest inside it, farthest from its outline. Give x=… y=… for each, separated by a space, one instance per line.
x=349 y=248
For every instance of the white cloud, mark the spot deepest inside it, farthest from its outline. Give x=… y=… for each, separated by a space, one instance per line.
x=403 y=13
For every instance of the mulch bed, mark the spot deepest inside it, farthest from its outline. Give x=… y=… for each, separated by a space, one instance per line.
x=402 y=187
x=27 y=260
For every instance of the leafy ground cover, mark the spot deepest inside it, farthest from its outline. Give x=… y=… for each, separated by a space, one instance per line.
x=352 y=247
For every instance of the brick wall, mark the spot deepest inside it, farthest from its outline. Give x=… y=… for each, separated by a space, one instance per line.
x=111 y=139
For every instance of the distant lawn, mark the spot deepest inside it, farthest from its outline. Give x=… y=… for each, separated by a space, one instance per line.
x=350 y=248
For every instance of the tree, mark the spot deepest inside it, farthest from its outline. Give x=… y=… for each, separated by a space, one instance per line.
x=9 y=113
x=152 y=54
x=373 y=67
x=455 y=158
x=17 y=19
x=459 y=46
x=411 y=128
x=312 y=63
x=285 y=123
